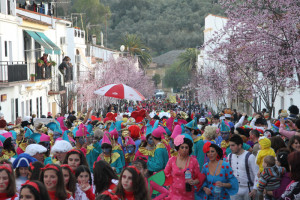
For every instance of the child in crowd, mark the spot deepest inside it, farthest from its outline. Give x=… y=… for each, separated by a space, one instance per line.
x=265 y=150
x=84 y=189
x=33 y=190
x=270 y=177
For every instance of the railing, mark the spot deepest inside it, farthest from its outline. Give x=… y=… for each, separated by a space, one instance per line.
x=13 y=71
x=42 y=72
x=69 y=74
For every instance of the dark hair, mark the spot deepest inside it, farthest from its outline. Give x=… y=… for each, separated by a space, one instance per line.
x=294 y=162
x=141 y=160
x=188 y=142
x=297 y=123
x=83 y=168
x=255 y=132
x=36 y=172
x=17 y=171
x=140 y=191
x=277 y=143
x=11 y=187
x=241 y=132
x=60 y=190
x=104 y=197
x=216 y=117
x=294 y=109
x=260 y=121
x=66 y=58
x=218 y=150
x=159 y=139
x=7 y=145
x=292 y=141
x=105 y=145
x=282 y=158
x=38 y=195
x=71 y=186
x=103 y=174
x=236 y=139
x=81 y=156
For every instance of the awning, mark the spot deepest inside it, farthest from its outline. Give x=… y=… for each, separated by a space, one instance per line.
x=37 y=38
x=46 y=39
x=43 y=40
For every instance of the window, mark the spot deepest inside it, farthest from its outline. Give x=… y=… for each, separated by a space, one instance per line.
x=282 y=103
x=17 y=107
x=30 y=107
x=291 y=101
x=12 y=110
x=5 y=49
x=22 y=109
x=37 y=108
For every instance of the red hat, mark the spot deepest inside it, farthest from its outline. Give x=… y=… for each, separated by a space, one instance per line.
x=135 y=131
x=139 y=115
x=110 y=117
x=2 y=123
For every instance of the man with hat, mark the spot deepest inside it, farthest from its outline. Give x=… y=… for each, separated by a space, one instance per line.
x=159 y=160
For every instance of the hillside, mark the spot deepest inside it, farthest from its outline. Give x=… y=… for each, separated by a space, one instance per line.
x=163 y=25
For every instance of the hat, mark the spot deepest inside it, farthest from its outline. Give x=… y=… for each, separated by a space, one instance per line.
x=177 y=131
x=7 y=135
x=158 y=132
x=1 y=144
x=33 y=149
x=23 y=160
x=112 y=127
x=167 y=131
x=82 y=131
x=61 y=146
x=49 y=114
x=135 y=131
x=2 y=139
x=264 y=142
x=28 y=132
x=139 y=115
x=2 y=123
x=224 y=127
x=192 y=124
x=55 y=127
x=129 y=141
x=114 y=134
x=61 y=123
x=119 y=125
x=105 y=140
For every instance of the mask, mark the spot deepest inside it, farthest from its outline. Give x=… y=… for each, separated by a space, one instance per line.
x=225 y=136
x=106 y=150
x=150 y=141
x=56 y=135
x=171 y=143
x=130 y=149
x=81 y=140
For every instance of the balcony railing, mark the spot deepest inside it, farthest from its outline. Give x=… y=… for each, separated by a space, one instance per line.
x=13 y=71
x=42 y=72
x=69 y=74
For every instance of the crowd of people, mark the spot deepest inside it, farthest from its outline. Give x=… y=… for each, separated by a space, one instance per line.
x=152 y=152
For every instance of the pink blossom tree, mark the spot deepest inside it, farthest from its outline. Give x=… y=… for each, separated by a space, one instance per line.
x=120 y=70
x=261 y=52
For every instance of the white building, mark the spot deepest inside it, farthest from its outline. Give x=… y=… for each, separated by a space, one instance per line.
x=214 y=25
x=24 y=36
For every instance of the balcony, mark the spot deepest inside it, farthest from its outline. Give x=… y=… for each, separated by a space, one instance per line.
x=69 y=74
x=43 y=72
x=13 y=71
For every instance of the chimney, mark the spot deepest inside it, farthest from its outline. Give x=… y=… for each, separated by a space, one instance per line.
x=94 y=39
x=101 y=36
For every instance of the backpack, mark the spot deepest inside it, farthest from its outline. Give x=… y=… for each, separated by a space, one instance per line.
x=247 y=166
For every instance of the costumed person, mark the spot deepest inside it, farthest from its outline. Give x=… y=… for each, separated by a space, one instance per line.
x=3 y=125
x=7 y=182
x=220 y=183
x=75 y=158
x=59 y=151
x=113 y=159
x=198 y=146
x=52 y=178
x=21 y=164
x=225 y=134
x=265 y=150
x=43 y=140
x=33 y=190
x=135 y=134
x=132 y=185
x=37 y=151
x=176 y=131
x=183 y=170
x=69 y=179
x=8 y=151
x=84 y=185
x=116 y=147
x=130 y=149
x=147 y=146
x=160 y=158
x=294 y=112
x=105 y=177
x=141 y=164
x=215 y=121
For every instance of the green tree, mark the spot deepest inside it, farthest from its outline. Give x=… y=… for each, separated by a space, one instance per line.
x=156 y=78
x=176 y=79
x=135 y=47
x=188 y=59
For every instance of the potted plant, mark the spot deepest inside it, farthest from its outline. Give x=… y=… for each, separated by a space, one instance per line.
x=53 y=63
x=32 y=77
x=40 y=62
